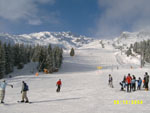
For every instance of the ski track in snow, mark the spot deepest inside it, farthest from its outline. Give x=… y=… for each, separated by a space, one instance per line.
x=84 y=88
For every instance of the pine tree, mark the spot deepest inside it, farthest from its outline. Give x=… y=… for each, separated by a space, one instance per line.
x=129 y=52
x=8 y=59
x=17 y=57
x=42 y=59
x=72 y=52
x=49 y=60
x=2 y=61
x=36 y=53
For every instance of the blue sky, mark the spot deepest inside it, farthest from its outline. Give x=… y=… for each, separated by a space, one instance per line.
x=94 y=18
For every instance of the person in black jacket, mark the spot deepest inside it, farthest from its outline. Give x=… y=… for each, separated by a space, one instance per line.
x=110 y=81
x=146 y=80
x=24 y=92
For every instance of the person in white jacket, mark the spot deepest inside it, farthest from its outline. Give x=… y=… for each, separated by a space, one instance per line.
x=2 y=90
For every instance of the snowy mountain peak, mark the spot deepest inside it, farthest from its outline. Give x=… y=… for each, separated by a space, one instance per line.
x=127 y=38
x=65 y=40
x=126 y=35
x=141 y=34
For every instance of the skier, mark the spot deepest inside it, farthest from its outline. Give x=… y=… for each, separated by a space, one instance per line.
x=110 y=81
x=2 y=90
x=139 y=83
x=128 y=80
x=58 y=84
x=133 y=83
x=24 y=92
x=146 y=80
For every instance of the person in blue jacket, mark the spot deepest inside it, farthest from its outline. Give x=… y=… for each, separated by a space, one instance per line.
x=139 y=83
x=2 y=90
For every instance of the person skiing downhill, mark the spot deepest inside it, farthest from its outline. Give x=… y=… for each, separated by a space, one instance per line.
x=2 y=90
x=58 y=84
x=110 y=81
x=24 y=92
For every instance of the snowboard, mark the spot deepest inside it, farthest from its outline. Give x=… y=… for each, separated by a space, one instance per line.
x=24 y=102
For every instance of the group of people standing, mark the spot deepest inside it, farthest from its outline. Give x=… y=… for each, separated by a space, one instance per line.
x=24 y=90
x=130 y=82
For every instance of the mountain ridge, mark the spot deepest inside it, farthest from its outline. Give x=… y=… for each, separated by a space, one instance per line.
x=65 y=40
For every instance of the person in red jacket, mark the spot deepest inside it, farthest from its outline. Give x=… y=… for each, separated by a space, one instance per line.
x=58 y=84
x=128 y=81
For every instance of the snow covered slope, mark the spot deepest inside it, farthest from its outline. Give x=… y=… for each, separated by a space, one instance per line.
x=65 y=40
x=84 y=87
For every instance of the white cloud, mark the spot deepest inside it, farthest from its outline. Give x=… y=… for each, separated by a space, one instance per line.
x=28 y=10
x=120 y=15
x=35 y=22
x=46 y=1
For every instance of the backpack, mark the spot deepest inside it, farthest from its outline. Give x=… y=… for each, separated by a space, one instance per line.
x=26 y=87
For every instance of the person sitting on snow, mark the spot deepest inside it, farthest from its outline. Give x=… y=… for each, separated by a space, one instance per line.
x=123 y=83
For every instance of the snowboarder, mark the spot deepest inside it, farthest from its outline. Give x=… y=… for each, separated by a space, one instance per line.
x=139 y=83
x=24 y=92
x=110 y=81
x=133 y=83
x=58 y=84
x=146 y=80
x=128 y=80
x=2 y=90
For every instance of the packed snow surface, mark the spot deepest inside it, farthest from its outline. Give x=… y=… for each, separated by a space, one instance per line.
x=84 y=87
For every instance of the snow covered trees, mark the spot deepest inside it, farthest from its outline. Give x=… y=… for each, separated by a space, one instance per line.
x=143 y=49
x=17 y=55
x=50 y=58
